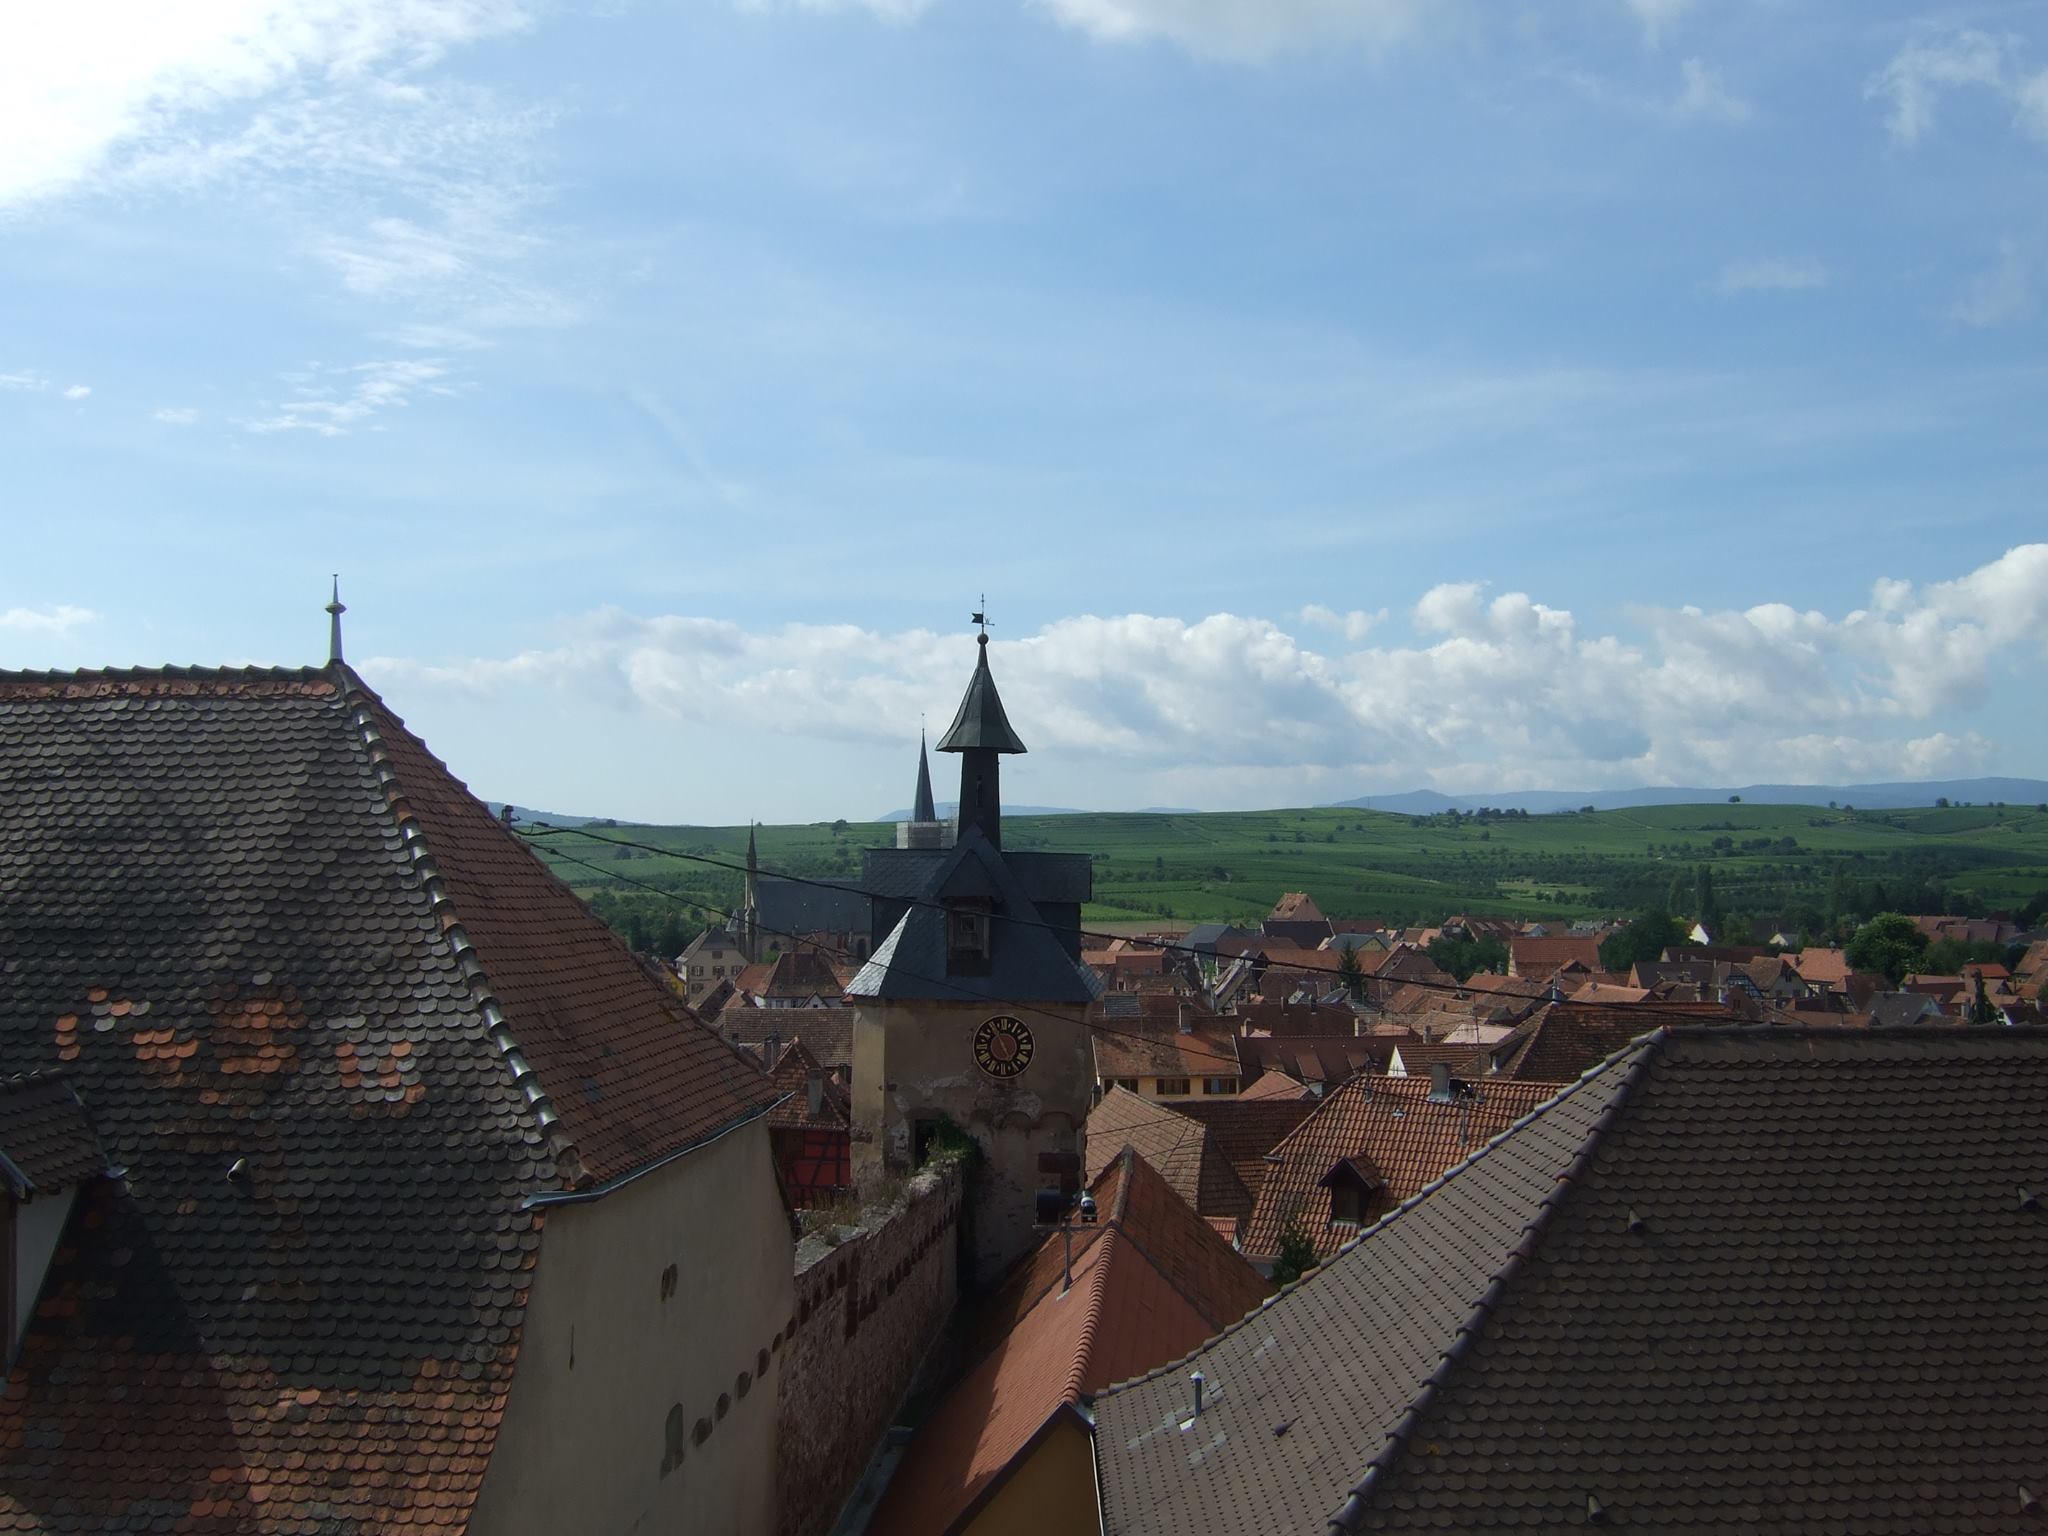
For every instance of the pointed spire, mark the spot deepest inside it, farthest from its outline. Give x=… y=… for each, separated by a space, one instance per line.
x=980 y=721
x=335 y=609
x=921 y=808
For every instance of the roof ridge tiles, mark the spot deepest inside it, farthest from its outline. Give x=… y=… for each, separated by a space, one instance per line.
x=1641 y=1044
x=1345 y=1521
x=360 y=700
x=90 y=682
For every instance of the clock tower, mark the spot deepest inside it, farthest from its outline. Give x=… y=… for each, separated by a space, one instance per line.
x=973 y=1007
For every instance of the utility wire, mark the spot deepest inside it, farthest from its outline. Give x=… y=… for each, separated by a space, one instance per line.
x=542 y=829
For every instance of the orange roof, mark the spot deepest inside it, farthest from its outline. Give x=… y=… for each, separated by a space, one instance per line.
x=1296 y=907
x=1151 y=1282
x=1390 y=1126
x=1164 y=1053
x=1823 y=967
x=1540 y=957
x=1276 y=1084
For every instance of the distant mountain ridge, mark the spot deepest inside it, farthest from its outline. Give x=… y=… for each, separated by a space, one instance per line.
x=947 y=808
x=1868 y=797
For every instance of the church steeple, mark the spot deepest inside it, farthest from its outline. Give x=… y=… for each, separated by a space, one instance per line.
x=921 y=808
x=750 y=907
x=981 y=734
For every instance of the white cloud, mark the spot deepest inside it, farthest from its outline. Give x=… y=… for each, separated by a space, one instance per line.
x=1243 y=29
x=1770 y=275
x=47 y=621
x=1354 y=625
x=1704 y=95
x=335 y=401
x=2030 y=105
x=27 y=380
x=2002 y=294
x=84 y=86
x=175 y=415
x=77 y=391
x=1496 y=691
x=1923 y=70
x=1658 y=17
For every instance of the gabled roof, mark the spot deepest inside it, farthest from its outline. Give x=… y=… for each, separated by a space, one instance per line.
x=1150 y=1281
x=1394 y=1125
x=801 y=972
x=980 y=722
x=46 y=1138
x=826 y=1032
x=1296 y=907
x=1567 y=1039
x=792 y=1078
x=1315 y=1058
x=1539 y=957
x=1245 y=1131
x=338 y=1024
x=1026 y=962
x=1734 y=1279
x=1142 y=1052
x=1278 y=1085
x=1178 y=1146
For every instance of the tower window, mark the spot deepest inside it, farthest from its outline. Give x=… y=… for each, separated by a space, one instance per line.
x=967 y=941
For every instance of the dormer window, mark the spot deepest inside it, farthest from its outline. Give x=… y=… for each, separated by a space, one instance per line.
x=967 y=940
x=1353 y=1184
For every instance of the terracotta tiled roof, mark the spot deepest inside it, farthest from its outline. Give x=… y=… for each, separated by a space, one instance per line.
x=1245 y=1131
x=338 y=1024
x=1296 y=907
x=1539 y=958
x=1823 y=967
x=1279 y=1019
x=1150 y=1282
x=792 y=1078
x=1178 y=1146
x=1165 y=1053
x=1313 y=1059
x=800 y=973
x=753 y=981
x=1416 y=1060
x=1735 y=1278
x=46 y=1138
x=1391 y=1124
x=826 y=1032
x=1276 y=1084
x=1570 y=1038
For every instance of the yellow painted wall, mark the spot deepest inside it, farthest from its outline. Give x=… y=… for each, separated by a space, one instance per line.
x=614 y=1342
x=1050 y=1493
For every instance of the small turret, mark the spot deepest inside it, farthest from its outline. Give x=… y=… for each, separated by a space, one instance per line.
x=981 y=734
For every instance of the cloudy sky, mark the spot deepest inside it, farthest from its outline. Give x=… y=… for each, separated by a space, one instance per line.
x=1331 y=396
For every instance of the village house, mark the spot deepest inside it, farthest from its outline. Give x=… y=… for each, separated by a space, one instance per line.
x=1211 y=1153
x=1007 y=1452
x=1629 y=1311
x=419 y=1201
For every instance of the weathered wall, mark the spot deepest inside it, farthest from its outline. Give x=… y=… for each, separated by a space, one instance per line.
x=866 y=1313
x=914 y=1060
x=655 y=1312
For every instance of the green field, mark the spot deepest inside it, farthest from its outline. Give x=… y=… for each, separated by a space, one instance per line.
x=1778 y=864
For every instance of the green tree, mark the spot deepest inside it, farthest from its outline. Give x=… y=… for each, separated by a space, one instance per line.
x=1350 y=974
x=1707 y=908
x=1889 y=943
x=1680 y=898
x=1297 y=1253
x=1641 y=941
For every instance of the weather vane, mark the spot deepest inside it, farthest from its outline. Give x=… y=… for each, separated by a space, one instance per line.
x=980 y=615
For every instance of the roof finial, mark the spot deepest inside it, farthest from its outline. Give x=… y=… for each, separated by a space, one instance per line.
x=335 y=609
x=980 y=616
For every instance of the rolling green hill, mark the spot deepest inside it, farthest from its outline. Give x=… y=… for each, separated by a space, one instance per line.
x=1798 y=864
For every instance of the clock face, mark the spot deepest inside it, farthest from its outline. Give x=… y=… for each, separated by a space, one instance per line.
x=1002 y=1046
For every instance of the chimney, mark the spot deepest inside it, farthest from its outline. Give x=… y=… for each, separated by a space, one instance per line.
x=814 y=1088
x=774 y=1044
x=1198 y=1380
x=1181 y=1019
x=1440 y=1081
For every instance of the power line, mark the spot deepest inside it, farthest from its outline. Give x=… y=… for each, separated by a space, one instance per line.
x=542 y=829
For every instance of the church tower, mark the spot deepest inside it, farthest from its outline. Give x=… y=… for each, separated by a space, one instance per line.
x=750 y=904
x=972 y=1011
x=924 y=829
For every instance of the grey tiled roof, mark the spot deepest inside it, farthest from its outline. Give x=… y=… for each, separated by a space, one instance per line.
x=46 y=1138
x=1027 y=961
x=1738 y=1279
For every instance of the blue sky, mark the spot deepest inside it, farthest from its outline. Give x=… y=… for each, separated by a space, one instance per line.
x=1331 y=396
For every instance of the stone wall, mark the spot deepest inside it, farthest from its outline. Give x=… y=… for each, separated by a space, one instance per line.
x=867 y=1311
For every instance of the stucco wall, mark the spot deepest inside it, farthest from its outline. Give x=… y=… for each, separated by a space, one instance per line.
x=916 y=1060
x=866 y=1313
x=643 y=1399
x=1050 y=1492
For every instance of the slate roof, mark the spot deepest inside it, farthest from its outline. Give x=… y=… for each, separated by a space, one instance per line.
x=337 y=1023
x=47 y=1141
x=791 y=908
x=1390 y=1124
x=1150 y=1281
x=980 y=722
x=1737 y=1280
x=1027 y=961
